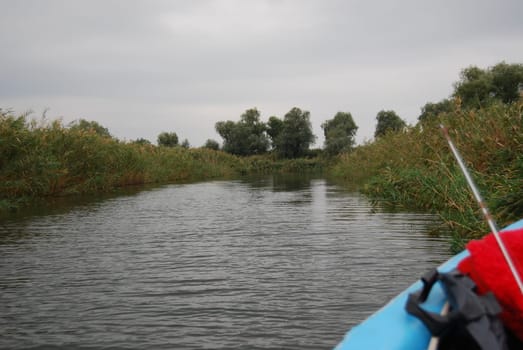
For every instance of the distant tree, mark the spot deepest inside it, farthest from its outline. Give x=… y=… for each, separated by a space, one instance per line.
x=230 y=134
x=274 y=128
x=185 y=144
x=339 y=133
x=85 y=125
x=474 y=88
x=296 y=135
x=142 y=141
x=246 y=137
x=257 y=140
x=479 y=87
x=167 y=139
x=212 y=144
x=506 y=78
x=431 y=110
x=388 y=121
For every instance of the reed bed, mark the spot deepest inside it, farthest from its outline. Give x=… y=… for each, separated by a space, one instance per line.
x=415 y=169
x=40 y=158
x=45 y=158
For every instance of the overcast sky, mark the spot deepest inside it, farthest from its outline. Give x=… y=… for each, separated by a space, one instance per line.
x=143 y=67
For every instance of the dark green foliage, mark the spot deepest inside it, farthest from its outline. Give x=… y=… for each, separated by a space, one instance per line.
x=388 y=121
x=246 y=137
x=274 y=128
x=431 y=110
x=12 y=133
x=167 y=139
x=315 y=153
x=270 y=164
x=185 y=144
x=505 y=81
x=339 y=133
x=85 y=125
x=212 y=144
x=474 y=88
x=296 y=134
x=290 y=137
x=230 y=133
x=142 y=141
x=480 y=87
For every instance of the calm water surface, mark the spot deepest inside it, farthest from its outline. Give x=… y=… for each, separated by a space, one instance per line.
x=270 y=263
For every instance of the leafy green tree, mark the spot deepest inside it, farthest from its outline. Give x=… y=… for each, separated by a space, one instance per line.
x=388 y=121
x=185 y=144
x=257 y=140
x=230 y=134
x=479 y=87
x=474 y=88
x=339 y=133
x=85 y=125
x=212 y=144
x=505 y=79
x=274 y=128
x=296 y=134
x=167 y=139
x=246 y=137
x=431 y=110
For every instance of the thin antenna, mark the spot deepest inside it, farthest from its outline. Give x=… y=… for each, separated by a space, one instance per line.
x=484 y=210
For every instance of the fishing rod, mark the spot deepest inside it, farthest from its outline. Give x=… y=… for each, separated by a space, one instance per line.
x=484 y=209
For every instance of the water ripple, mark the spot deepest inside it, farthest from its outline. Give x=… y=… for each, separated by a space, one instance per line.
x=263 y=264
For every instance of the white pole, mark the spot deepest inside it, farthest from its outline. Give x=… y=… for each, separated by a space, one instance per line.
x=484 y=210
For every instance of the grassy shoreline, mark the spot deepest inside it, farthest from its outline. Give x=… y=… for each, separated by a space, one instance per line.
x=47 y=159
x=415 y=169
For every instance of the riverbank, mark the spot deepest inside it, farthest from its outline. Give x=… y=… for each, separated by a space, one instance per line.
x=46 y=159
x=415 y=168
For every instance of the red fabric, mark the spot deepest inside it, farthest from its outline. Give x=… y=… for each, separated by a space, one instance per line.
x=489 y=270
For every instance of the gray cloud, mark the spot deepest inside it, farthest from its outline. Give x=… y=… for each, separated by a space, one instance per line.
x=141 y=67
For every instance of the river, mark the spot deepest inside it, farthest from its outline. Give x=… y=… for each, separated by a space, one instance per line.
x=276 y=262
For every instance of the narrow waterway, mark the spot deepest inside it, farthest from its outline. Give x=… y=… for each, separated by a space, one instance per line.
x=267 y=263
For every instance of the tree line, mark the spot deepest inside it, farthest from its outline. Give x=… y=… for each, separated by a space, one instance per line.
x=292 y=135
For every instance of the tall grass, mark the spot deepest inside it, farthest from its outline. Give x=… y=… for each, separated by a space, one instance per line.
x=42 y=158
x=416 y=169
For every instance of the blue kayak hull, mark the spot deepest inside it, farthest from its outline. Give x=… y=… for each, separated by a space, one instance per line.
x=392 y=327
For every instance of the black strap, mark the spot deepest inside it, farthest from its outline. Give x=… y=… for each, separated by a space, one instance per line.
x=469 y=313
x=436 y=323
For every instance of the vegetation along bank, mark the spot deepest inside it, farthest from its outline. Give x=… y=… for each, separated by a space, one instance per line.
x=405 y=165
x=414 y=167
x=41 y=159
